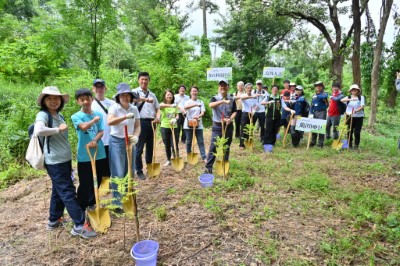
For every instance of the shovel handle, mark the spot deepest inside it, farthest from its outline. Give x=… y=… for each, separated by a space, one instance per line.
x=126 y=135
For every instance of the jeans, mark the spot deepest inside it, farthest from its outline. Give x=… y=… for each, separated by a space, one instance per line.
x=321 y=137
x=166 y=135
x=85 y=191
x=238 y=123
x=332 y=121
x=145 y=138
x=180 y=122
x=119 y=164
x=63 y=194
x=200 y=141
x=261 y=121
x=217 y=131
x=271 y=128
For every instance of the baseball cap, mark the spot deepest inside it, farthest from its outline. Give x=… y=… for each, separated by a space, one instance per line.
x=83 y=92
x=223 y=80
x=259 y=81
x=99 y=81
x=300 y=88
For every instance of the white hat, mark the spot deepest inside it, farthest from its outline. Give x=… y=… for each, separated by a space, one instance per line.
x=354 y=87
x=52 y=90
x=259 y=81
x=223 y=80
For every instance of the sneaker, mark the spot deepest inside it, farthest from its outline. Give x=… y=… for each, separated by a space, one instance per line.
x=167 y=163
x=54 y=225
x=85 y=232
x=141 y=176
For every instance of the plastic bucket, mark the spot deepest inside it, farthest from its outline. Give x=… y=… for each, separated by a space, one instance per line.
x=268 y=147
x=145 y=253
x=345 y=144
x=278 y=136
x=206 y=180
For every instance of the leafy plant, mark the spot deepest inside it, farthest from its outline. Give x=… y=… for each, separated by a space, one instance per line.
x=221 y=147
x=161 y=213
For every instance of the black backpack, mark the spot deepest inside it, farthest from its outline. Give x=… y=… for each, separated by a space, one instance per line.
x=341 y=107
x=306 y=109
x=42 y=139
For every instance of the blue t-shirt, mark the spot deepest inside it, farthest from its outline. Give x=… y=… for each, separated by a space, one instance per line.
x=84 y=137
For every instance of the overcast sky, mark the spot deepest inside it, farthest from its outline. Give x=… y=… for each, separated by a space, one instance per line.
x=196 y=27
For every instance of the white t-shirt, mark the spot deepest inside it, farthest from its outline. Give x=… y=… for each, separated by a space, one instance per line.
x=355 y=104
x=249 y=104
x=96 y=107
x=118 y=111
x=190 y=113
x=180 y=101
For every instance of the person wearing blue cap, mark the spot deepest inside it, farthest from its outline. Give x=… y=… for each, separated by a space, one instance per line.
x=224 y=109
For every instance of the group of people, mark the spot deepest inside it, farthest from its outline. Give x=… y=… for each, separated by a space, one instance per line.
x=100 y=124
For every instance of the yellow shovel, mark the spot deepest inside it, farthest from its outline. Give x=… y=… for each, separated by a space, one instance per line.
x=153 y=168
x=129 y=204
x=193 y=158
x=99 y=217
x=177 y=163
x=222 y=167
x=287 y=130
x=337 y=143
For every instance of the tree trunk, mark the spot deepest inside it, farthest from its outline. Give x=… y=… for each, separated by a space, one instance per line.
x=356 y=42
x=391 y=99
x=204 y=9
x=385 y=12
x=337 y=66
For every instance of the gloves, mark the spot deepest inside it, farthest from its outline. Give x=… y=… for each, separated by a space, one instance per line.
x=292 y=112
x=172 y=121
x=129 y=116
x=310 y=116
x=133 y=139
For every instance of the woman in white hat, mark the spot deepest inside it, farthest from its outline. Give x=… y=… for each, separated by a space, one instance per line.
x=355 y=107
x=57 y=157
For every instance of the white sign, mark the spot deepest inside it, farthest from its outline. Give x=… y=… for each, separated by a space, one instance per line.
x=311 y=125
x=273 y=72
x=219 y=73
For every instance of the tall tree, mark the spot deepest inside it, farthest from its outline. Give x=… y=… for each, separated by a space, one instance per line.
x=250 y=30
x=384 y=16
x=355 y=60
x=319 y=14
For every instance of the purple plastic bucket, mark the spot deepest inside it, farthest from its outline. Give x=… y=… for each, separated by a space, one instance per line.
x=206 y=180
x=268 y=147
x=345 y=144
x=145 y=253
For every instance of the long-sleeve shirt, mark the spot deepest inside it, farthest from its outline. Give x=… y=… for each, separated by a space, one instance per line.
x=319 y=102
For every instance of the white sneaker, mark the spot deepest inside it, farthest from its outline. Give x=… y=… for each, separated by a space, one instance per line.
x=167 y=163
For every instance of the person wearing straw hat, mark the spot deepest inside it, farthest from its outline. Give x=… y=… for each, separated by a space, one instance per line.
x=318 y=110
x=355 y=108
x=122 y=113
x=57 y=159
x=90 y=129
x=223 y=107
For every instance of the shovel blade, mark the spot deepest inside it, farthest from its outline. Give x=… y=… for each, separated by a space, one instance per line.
x=219 y=168
x=100 y=219
x=153 y=169
x=192 y=158
x=337 y=144
x=178 y=164
x=249 y=144
x=104 y=188
x=127 y=206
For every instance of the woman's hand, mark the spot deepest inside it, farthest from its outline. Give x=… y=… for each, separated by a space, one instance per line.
x=62 y=127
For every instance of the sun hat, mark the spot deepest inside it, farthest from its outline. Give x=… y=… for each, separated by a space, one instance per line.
x=223 y=80
x=292 y=84
x=354 y=87
x=259 y=81
x=124 y=88
x=319 y=83
x=299 y=87
x=52 y=90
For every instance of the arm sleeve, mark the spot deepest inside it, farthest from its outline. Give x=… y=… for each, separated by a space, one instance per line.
x=156 y=103
x=76 y=120
x=43 y=131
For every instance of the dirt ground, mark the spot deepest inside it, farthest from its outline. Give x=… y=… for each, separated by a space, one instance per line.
x=190 y=235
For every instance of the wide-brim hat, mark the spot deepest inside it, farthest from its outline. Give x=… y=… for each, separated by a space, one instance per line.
x=354 y=87
x=319 y=83
x=52 y=90
x=292 y=84
x=124 y=88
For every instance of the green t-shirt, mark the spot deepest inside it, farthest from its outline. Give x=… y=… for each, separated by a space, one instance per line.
x=166 y=115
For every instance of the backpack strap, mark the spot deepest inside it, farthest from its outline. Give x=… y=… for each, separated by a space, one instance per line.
x=101 y=105
x=49 y=124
